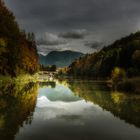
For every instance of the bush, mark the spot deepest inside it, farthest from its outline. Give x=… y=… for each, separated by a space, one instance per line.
x=118 y=74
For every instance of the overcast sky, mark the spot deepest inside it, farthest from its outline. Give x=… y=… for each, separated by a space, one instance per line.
x=79 y=25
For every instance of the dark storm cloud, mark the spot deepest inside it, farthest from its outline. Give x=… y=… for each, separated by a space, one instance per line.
x=51 y=43
x=73 y=14
x=94 y=45
x=106 y=19
x=76 y=34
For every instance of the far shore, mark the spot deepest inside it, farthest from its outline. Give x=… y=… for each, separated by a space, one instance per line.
x=129 y=85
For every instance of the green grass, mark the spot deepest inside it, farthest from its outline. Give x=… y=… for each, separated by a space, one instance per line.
x=24 y=78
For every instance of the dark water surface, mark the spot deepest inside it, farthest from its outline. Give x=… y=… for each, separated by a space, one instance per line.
x=67 y=110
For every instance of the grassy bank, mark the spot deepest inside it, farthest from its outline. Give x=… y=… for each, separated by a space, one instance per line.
x=24 y=78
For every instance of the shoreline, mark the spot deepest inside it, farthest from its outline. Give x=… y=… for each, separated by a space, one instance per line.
x=128 y=85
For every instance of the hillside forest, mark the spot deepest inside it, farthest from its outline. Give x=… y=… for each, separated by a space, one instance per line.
x=18 y=53
x=123 y=56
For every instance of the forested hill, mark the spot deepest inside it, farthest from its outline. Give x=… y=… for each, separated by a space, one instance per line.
x=59 y=58
x=18 y=51
x=124 y=53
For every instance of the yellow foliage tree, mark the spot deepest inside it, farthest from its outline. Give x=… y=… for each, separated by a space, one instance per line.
x=118 y=74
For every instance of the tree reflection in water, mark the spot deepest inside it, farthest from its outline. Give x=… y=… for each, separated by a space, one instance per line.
x=17 y=104
x=18 y=101
x=122 y=105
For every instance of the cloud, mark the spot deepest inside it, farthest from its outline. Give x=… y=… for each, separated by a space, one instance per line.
x=75 y=34
x=61 y=109
x=50 y=39
x=44 y=50
x=54 y=42
x=40 y=15
x=106 y=19
x=97 y=45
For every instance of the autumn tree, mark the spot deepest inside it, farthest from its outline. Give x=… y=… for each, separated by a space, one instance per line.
x=17 y=52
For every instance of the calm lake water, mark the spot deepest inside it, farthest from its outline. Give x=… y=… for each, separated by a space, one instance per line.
x=67 y=110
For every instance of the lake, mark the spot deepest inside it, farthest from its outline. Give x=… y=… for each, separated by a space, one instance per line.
x=67 y=110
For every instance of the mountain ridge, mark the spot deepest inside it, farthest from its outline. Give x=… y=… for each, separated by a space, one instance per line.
x=59 y=58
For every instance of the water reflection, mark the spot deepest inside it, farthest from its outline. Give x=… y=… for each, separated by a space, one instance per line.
x=66 y=110
x=124 y=106
x=17 y=103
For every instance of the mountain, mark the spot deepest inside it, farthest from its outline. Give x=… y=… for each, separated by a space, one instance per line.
x=59 y=58
x=123 y=53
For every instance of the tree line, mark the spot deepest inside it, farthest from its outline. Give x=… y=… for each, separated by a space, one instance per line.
x=18 y=53
x=123 y=56
x=50 y=68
